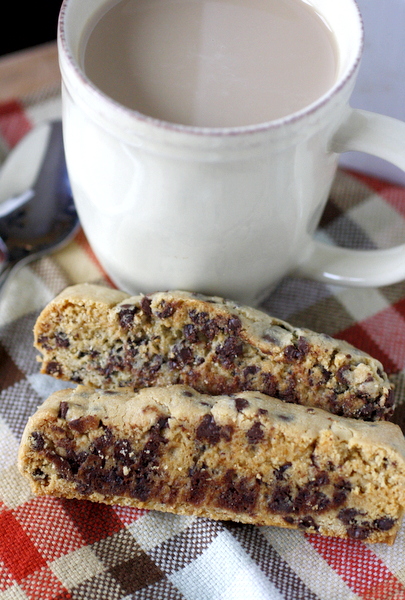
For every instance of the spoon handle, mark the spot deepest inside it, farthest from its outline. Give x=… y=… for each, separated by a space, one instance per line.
x=3 y=256
x=4 y=277
x=11 y=204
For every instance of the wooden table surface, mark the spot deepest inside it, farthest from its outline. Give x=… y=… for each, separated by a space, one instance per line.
x=24 y=72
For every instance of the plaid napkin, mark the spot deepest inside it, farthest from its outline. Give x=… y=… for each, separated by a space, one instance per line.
x=54 y=549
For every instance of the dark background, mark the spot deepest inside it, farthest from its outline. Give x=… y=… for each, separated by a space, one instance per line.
x=27 y=23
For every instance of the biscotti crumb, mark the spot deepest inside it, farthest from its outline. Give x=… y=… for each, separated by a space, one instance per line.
x=245 y=457
x=96 y=336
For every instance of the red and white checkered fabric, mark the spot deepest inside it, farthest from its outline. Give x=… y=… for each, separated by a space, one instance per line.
x=52 y=549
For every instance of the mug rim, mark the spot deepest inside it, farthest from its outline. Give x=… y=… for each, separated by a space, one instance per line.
x=265 y=126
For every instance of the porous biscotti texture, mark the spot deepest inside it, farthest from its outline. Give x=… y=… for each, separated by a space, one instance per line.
x=101 y=337
x=245 y=457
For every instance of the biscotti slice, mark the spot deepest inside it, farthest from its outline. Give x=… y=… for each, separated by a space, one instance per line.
x=245 y=457
x=104 y=338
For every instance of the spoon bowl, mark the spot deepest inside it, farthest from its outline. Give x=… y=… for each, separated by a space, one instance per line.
x=37 y=212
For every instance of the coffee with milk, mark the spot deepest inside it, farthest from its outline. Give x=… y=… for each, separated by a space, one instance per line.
x=213 y=196
x=211 y=63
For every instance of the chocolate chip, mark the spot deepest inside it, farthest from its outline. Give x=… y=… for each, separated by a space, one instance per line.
x=39 y=474
x=342 y=489
x=241 y=403
x=269 y=385
x=390 y=400
x=145 y=467
x=126 y=315
x=250 y=382
x=210 y=329
x=146 y=306
x=384 y=524
x=62 y=340
x=250 y=370
x=208 y=430
x=43 y=340
x=289 y=393
x=292 y=353
x=123 y=452
x=231 y=349
x=184 y=355
x=84 y=424
x=289 y=519
x=325 y=373
x=318 y=375
x=53 y=368
x=255 y=433
x=132 y=350
x=340 y=374
x=227 y=432
x=61 y=465
x=199 y=318
x=303 y=345
x=167 y=310
x=190 y=333
x=234 y=324
x=321 y=479
x=154 y=365
x=248 y=374
x=361 y=530
x=279 y=473
x=63 y=408
x=67 y=444
x=237 y=495
x=199 y=484
x=348 y=515
x=75 y=460
x=308 y=499
x=370 y=411
x=114 y=364
x=286 y=418
x=358 y=532
x=37 y=441
x=281 y=500
x=298 y=352
x=100 y=444
x=91 y=476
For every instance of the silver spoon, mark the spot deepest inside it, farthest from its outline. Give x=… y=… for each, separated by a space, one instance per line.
x=37 y=212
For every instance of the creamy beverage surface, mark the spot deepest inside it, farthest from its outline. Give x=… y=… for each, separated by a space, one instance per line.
x=211 y=63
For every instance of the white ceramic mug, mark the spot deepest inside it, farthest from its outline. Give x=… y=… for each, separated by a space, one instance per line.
x=221 y=211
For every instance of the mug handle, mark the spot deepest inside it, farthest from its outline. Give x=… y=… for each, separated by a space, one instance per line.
x=383 y=137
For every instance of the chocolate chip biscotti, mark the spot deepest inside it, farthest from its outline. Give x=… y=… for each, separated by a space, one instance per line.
x=245 y=457
x=104 y=338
